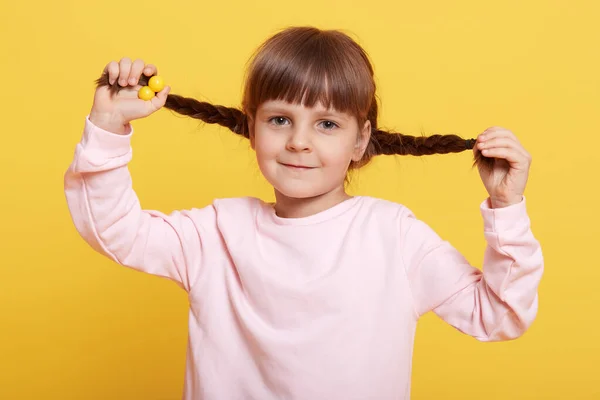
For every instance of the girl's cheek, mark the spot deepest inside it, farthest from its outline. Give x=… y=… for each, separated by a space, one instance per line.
x=268 y=147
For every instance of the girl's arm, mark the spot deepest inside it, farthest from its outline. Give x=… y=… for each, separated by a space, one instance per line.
x=499 y=302
x=107 y=214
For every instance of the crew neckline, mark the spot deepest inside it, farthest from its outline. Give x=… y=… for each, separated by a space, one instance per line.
x=321 y=216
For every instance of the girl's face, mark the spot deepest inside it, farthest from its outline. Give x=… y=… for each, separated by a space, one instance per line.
x=305 y=152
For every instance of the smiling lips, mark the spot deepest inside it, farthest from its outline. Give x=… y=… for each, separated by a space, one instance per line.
x=297 y=167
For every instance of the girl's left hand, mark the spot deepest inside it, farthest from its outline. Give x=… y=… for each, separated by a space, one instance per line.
x=506 y=181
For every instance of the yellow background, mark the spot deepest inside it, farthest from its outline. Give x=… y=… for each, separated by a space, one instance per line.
x=76 y=326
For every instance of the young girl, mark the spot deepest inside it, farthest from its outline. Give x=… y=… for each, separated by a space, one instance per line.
x=316 y=296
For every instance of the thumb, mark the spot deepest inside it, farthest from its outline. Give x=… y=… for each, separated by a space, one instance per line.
x=160 y=99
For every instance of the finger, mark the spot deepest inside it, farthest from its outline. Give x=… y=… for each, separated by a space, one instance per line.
x=512 y=155
x=496 y=132
x=498 y=141
x=124 y=69
x=150 y=70
x=501 y=138
x=503 y=143
x=136 y=71
x=113 y=71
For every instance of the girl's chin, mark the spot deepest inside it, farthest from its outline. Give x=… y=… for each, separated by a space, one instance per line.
x=306 y=191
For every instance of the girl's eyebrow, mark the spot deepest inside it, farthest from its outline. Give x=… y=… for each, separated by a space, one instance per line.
x=320 y=113
x=327 y=113
x=274 y=109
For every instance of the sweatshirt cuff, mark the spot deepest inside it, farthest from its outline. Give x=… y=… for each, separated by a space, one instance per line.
x=505 y=218
x=105 y=143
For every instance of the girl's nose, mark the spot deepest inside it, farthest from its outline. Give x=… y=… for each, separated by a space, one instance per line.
x=299 y=140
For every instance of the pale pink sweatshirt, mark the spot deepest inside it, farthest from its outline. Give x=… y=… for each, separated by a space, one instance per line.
x=317 y=308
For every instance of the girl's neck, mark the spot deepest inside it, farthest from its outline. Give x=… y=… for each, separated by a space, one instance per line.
x=290 y=207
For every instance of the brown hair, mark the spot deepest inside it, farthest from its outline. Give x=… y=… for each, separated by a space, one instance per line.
x=308 y=65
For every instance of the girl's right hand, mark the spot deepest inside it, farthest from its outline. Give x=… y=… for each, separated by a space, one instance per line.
x=113 y=111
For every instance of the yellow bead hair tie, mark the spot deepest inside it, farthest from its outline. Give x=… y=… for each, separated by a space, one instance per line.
x=155 y=85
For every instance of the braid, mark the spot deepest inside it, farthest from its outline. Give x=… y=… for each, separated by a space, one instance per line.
x=230 y=118
x=391 y=143
x=396 y=143
x=381 y=143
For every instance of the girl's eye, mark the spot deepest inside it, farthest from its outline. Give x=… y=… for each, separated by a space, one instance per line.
x=329 y=125
x=278 y=120
x=281 y=121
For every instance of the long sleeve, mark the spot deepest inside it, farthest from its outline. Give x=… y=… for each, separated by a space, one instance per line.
x=496 y=303
x=107 y=214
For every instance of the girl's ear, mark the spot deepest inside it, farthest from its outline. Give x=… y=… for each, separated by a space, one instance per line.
x=250 y=123
x=362 y=142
